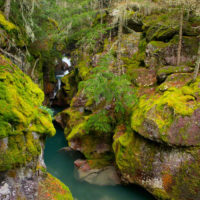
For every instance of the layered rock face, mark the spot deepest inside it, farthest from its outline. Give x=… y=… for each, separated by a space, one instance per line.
x=156 y=143
x=24 y=125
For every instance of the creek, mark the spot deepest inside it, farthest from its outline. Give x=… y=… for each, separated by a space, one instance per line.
x=61 y=165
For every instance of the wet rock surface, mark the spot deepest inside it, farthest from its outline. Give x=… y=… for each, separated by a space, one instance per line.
x=103 y=176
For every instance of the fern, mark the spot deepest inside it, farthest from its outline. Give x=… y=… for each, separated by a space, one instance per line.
x=99 y=122
x=104 y=85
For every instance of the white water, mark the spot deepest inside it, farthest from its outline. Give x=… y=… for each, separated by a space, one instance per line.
x=67 y=60
x=59 y=76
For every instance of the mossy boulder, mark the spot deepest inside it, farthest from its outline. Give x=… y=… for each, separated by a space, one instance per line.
x=92 y=141
x=161 y=26
x=177 y=80
x=51 y=188
x=89 y=134
x=84 y=67
x=24 y=124
x=22 y=119
x=171 y=117
x=160 y=53
x=168 y=173
x=129 y=44
x=20 y=101
x=165 y=71
x=19 y=150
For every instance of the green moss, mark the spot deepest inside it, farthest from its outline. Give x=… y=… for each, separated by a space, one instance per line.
x=21 y=149
x=195 y=87
x=8 y=26
x=69 y=85
x=77 y=131
x=51 y=188
x=84 y=68
x=130 y=64
x=161 y=194
x=130 y=154
x=124 y=156
x=162 y=109
x=71 y=117
x=186 y=181
x=101 y=162
x=164 y=71
x=161 y=26
x=175 y=80
x=159 y=44
x=20 y=100
x=99 y=123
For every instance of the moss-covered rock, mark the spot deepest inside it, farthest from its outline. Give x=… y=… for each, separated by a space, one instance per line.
x=171 y=117
x=24 y=124
x=163 y=26
x=20 y=101
x=51 y=188
x=22 y=120
x=159 y=53
x=177 y=80
x=83 y=64
x=144 y=77
x=11 y=34
x=8 y=26
x=168 y=173
x=89 y=134
x=19 y=150
x=163 y=72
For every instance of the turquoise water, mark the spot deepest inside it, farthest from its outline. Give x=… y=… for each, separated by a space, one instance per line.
x=60 y=164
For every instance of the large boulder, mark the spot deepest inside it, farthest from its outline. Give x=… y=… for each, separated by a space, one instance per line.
x=167 y=173
x=89 y=134
x=24 y=125
x=51 y=188
x=163 y=26
x=171 y=117
x=159 y=53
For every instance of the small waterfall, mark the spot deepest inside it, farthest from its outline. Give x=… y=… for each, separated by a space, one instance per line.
x=59 y=84
x=67 y=60
x=59 y=76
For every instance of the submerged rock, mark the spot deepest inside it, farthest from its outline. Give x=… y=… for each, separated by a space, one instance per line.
x=103 y=176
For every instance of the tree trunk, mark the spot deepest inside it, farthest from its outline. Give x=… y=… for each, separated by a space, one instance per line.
x=120 y=28
x=101 y=11
x=7 y=9
x=33 y=70
x=196 y=70
x=180 y=37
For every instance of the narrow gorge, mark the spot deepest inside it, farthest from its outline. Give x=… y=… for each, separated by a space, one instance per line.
x=99 y=100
